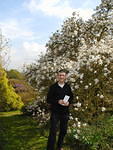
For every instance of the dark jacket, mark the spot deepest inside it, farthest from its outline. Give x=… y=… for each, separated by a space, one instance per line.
x=57 y=93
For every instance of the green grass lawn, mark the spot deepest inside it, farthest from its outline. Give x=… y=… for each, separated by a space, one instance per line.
x=19 y=132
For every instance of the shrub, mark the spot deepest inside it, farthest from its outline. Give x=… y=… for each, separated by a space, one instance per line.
x=24 y=90
x=92 y=137
x=9 y=100
x=37 y=109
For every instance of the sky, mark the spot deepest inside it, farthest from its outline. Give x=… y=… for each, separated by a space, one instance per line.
x=28 y=24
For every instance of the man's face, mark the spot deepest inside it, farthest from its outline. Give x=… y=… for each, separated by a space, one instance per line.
x=61 y=77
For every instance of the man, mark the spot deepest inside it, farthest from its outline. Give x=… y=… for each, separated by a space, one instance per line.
x=59 y=109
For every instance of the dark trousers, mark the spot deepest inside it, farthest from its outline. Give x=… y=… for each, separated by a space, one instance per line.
x=54 y=120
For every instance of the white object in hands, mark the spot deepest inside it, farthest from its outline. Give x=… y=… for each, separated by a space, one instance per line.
x=66 y=98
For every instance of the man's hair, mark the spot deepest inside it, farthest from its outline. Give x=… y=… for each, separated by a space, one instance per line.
x=63 y=71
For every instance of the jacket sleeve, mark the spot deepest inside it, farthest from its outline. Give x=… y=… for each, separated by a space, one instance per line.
x=50 y=96
x=71 y=96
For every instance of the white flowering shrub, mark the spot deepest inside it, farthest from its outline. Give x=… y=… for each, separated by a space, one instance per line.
x=85 y=49
x=93 y=82
x=41 y=75
x=91 y=77
x=99 y=137
x=38 y=110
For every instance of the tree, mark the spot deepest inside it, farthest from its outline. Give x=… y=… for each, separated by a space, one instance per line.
x=24 y=89
x=4 y=49
x=101 y=23
x=64 y=44
x=9 y=100
x=15 y=74
x=85 y=49
x=21 y=86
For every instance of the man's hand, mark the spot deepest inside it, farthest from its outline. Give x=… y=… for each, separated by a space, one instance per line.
x=66 y=104
x=61 y=102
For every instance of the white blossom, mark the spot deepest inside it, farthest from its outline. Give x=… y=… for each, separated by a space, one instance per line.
x=90 y=84
x=96 y=80
x=81 y=76
x=86 y=87
x=103 y=108
x=101 y=96
x=78 y=104
x=76 y=119
x=76 y=86
x=98 y=95
x=76 y=136
x=77 y=97
x=84 y=124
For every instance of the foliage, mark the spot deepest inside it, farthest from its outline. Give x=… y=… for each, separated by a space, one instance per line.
x=24 y=90
x=93 y=74
x=99 y=137
x=9 y=100
x=85 y=49
x=88 y=61
x=21 y=86
x=15 y=74
x=38 y=110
